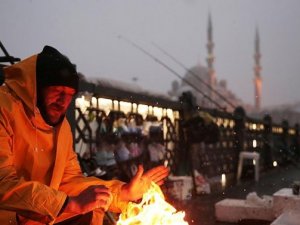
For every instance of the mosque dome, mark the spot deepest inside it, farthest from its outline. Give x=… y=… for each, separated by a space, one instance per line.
x=196 y=76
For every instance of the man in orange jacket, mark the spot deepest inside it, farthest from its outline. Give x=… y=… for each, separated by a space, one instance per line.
x=40 y=178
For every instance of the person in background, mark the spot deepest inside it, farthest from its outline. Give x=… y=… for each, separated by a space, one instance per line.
x=121 y=152
x=40 y=178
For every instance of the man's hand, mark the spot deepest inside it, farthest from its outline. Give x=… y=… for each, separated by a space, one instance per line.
x=140 y=183
x=93 y=197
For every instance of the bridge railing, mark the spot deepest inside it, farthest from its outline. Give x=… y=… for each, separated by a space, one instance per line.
x=103 y=118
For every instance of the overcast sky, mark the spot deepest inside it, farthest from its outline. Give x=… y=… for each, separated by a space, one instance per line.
x=87 y=32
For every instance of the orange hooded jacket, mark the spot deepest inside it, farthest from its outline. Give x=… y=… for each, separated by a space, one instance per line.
x=38 y=167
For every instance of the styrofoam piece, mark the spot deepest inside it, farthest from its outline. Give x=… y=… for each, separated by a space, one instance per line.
x=234 y=210
x=285 y=200
x=288 y=218
x=253 y=199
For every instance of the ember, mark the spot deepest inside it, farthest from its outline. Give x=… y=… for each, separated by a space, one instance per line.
x=152 y=210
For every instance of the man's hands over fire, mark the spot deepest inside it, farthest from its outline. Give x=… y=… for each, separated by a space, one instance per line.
x=93 y=197
x=99 y=196
x=140 y=183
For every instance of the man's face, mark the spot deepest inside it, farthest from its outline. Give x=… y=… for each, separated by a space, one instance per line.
x=56 y=100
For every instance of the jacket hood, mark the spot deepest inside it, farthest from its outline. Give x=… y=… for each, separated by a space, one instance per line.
x=21 y=79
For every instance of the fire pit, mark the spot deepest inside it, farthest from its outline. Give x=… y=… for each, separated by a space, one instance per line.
x=152 y=210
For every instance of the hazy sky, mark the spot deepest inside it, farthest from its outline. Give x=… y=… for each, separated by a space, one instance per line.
x=87 y=31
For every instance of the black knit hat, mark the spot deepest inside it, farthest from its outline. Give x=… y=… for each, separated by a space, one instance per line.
x=55 y=69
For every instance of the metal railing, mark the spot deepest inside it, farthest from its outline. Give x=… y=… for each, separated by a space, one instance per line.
x=278 y=144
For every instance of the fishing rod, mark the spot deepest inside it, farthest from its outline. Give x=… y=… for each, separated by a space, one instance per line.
x=171 y=70
x=194 y=74
x=7 y=57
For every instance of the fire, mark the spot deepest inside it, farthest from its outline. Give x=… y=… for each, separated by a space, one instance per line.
x=152 y=210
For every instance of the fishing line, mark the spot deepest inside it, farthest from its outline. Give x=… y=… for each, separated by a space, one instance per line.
x=169 y=69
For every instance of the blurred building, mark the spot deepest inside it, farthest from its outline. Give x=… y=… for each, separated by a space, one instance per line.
x=202 y=72
x=279 y=113
x=208 y=90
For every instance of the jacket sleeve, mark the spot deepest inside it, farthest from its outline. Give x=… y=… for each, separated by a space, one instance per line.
x=30 y=199
x=74 y=182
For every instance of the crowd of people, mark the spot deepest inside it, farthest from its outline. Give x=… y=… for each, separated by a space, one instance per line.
x=123 y=147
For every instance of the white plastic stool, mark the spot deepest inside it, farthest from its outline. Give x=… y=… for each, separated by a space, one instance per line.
x=248 y=155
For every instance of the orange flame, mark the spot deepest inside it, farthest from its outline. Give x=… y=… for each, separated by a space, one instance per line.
x=152 y=210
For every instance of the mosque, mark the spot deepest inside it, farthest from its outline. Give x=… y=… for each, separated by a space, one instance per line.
x=211 y=92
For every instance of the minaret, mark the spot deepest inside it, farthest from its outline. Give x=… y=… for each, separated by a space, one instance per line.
x=257 y=77
x=210 y=58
